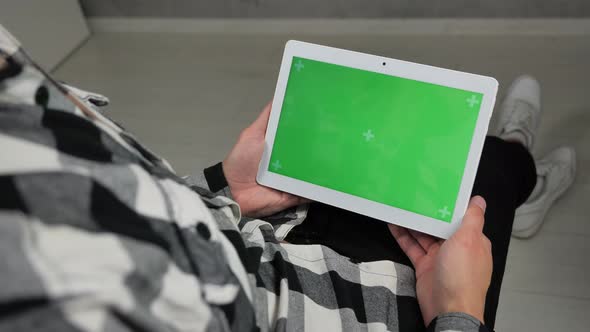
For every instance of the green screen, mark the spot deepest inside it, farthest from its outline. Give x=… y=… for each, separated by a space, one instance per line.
x=392 y=140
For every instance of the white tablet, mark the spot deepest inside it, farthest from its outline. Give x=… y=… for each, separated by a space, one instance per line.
x=390 y=139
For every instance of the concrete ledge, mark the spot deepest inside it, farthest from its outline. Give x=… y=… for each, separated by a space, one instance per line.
x=346 y=26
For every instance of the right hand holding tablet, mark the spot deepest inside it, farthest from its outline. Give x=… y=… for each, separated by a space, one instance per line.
x=452 y=275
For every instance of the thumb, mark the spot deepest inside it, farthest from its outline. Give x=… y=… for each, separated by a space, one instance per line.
x=259 y=125
x=474 y=217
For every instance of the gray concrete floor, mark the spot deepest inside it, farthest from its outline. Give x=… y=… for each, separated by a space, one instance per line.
x=187 y=96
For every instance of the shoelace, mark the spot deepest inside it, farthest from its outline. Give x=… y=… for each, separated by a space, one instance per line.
x=520 y=115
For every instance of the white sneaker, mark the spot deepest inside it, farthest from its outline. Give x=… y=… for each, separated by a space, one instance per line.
x=555 y=174
x=521 y=111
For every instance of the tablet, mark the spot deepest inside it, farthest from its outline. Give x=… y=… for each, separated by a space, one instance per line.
x=389 y=139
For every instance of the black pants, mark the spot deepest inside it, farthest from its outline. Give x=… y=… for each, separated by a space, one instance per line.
x=505 y=178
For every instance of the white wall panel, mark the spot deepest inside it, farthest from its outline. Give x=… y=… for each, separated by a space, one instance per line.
x=49 y=30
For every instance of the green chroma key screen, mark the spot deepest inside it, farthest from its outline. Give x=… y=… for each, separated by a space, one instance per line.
x=392 y=140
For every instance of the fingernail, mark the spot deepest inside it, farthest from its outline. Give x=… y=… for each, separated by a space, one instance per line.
x=479 y=201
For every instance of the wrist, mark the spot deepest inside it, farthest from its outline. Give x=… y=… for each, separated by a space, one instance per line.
x=228 y=183
x=233 y=189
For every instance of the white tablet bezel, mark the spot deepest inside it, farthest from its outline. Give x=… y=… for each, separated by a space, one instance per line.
x=487 y=86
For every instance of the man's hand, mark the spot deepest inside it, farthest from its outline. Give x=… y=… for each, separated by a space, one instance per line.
x=240 y=168
x=454 y=275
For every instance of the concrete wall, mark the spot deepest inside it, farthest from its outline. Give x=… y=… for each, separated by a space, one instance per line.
x=48 y=30
x=337 y=8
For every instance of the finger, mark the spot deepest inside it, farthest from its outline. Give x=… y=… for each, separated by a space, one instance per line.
x=408 y=243
x=290 y=200
x=426 y=241
x=435 y=247
x=303 y=200
x=474 y=217
x=262 y=120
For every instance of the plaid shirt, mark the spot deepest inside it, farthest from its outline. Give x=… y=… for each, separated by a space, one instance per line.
x=99 y=234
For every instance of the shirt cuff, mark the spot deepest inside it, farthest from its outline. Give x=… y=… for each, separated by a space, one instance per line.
x=457 y=321
x=212 y=179
x=215 y=177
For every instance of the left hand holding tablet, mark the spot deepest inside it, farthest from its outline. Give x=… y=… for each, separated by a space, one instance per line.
x=240 y=168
